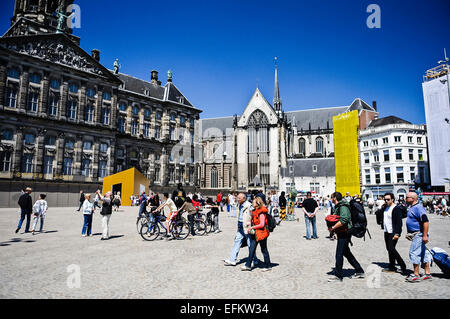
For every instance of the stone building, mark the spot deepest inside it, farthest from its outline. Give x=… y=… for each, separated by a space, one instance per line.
x=67 y=121
x=394 y=157
x=270 y=149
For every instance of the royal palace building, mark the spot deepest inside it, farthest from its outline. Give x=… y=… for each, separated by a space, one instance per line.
x=67 y=121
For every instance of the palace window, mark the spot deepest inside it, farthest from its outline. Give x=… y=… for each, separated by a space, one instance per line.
x=67 y=168
x=90 y=92
x=85 y=167
x=70 y=145
x=72 y=110
x=134 y=127
x=135 y=110
x=27 y=163
x=107 y=96
x=87 y=145
x=48 y=164
x=11 y=96
x=121 y=125
x=35 y=78
x=54 y=84
x=14 y=73
x=103 y=147
x=33 y=101
x=73 y=88
x=5 y=161
x=102 y=168
x=29 y=138
x=123 y=107
x=53 y=105
x=146 y=129
x=105 y=116
x=50 y=141
x=7 y=134
x=89 y=115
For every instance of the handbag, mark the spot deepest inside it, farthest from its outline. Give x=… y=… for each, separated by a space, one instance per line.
x=410 y=236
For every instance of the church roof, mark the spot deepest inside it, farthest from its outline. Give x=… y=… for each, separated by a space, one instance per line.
x=315 y=118
x=304 y=167
x=388 y=120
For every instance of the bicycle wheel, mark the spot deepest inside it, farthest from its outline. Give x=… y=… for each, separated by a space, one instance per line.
x=199 y=227
x=141 y=221
x=209 y=227
x=180 y=230
x=149 y=234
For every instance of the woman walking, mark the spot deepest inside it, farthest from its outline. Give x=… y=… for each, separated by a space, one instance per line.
x=88 y=212
x=106 y=212
x=39 y=211
x=259 y=233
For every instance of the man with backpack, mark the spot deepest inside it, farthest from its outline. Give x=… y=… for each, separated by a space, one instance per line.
x=342 y=209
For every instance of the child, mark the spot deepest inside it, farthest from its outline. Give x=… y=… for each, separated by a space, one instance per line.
x=39 y=211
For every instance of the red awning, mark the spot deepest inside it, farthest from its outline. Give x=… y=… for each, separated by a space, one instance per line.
x=437 y=193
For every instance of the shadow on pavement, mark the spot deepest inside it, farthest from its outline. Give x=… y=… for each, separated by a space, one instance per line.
x=16 y=240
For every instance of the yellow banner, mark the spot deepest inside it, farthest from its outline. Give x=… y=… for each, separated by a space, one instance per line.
x=346 y=155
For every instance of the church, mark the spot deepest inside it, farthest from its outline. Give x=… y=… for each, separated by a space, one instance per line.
x=270 y=149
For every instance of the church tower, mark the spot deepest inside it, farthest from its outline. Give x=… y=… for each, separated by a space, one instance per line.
x=40 y=16
x=276 y=95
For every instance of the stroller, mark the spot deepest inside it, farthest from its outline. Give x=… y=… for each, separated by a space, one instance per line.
x=441 y=258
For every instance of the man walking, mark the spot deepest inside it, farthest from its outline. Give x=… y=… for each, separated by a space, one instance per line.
x=310 y=209
x=391 y=222
x=342 y=209
x=417 y=225
x=81 y=200
x=244 y=225
x=26 y=206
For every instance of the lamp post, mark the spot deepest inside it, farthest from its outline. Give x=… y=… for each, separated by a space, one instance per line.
x=224 y=156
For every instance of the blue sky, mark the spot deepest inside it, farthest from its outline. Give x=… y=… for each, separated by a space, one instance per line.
x=219 y=51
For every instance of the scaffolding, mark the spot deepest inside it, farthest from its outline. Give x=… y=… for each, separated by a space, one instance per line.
x=436 y=72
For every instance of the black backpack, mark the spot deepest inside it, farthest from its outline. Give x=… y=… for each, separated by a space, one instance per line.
x=359 y=220
x=271 y=223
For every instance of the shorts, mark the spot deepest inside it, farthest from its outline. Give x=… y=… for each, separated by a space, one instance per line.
x=418 y=253
x=172 y=215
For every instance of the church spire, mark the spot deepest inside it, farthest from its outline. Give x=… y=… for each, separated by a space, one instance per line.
x=276 y=96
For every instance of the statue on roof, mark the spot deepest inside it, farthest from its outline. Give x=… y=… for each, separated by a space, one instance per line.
x=61 y=20
x=117 y=66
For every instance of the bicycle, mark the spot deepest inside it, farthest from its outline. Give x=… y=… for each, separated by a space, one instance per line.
x=178 y=228
x=144 y=217
x=200 y=225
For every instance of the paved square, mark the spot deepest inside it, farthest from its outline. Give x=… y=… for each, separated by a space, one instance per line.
x=41 y=266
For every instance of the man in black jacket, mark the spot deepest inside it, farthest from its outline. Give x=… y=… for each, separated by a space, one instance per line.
x=81 y=200
x=390 y=218
x=26 y=206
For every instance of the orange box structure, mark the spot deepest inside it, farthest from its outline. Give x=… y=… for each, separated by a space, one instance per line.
x=128 y=182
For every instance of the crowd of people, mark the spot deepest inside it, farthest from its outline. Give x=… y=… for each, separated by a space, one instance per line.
x=254 y=212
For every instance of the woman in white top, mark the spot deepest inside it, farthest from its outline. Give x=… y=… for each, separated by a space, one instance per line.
x=39 y=211
x=88 y=211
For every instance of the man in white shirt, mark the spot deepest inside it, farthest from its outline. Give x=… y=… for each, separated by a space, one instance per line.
x=232 y=205
x=170 y=208
x=370 y=204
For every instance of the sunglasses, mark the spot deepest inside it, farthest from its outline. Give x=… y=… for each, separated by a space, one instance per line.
x=387 y=199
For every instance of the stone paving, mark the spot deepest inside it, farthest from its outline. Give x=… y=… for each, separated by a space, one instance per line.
x=45 y=265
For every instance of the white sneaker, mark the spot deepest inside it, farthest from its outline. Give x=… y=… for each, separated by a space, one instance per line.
x=229 y=263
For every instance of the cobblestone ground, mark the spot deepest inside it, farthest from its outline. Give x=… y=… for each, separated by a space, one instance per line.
x=126 y=266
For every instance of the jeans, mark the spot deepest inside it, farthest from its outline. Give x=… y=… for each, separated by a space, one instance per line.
x=232 y=211
x=343 y=250
x=81 y=204
x=105 y=224
x=240 y=236
x=23 y=214
x=309 y=221
x=252 y=251
x=392 y=252
x=418 y=253
x=35 y=221
x=191 y=224
x=215 y=218
x=87 y=225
